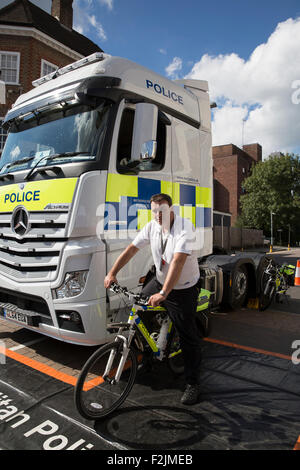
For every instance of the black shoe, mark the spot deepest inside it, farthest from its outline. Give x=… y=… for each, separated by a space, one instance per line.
x=190 y=395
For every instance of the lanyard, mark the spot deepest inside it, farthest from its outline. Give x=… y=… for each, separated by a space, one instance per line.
x=163 y=247
x=163 y=244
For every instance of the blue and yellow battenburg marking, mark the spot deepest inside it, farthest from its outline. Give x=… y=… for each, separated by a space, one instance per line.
x=36 y=195
x=128 y=207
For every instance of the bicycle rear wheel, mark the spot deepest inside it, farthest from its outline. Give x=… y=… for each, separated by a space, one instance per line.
x=203 y=322
x=174 y=353
x=96 y=396
x=268 y=290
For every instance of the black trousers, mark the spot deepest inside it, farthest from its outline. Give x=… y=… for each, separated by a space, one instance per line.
x=181 y=307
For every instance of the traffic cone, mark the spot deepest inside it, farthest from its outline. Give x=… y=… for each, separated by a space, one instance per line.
x=297 y=274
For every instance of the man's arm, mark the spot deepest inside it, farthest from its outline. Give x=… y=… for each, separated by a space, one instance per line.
x=123 y=259
x=173 y=275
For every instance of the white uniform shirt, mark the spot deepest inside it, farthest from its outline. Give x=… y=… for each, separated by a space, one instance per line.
x=181 y=239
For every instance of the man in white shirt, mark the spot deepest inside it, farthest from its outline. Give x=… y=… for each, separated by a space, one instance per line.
x=177 y=273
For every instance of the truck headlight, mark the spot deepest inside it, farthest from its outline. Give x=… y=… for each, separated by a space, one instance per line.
x=72 y=285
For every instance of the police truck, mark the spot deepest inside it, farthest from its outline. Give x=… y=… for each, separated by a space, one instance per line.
x=86 y=149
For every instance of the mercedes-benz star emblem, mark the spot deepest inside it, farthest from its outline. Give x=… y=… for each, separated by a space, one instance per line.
x=20 y=221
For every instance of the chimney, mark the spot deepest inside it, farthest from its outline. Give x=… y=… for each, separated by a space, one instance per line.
x=62 y=10
x=254 y=150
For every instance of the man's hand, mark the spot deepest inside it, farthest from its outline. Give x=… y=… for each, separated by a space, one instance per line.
x=156 y=299
x=109 y=279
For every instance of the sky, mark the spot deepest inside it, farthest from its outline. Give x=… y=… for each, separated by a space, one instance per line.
x=248 y=50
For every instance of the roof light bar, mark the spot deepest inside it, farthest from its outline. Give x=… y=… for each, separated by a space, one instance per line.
x=96 y=57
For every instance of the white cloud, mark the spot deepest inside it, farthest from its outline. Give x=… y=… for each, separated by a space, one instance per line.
x=163 y=51
x=84 y=19
x=108 y=3
x=259 y=90
x=227 y=126
x=98 y=26
x=174 y=67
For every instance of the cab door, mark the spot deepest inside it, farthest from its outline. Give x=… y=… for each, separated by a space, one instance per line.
x=130 y=185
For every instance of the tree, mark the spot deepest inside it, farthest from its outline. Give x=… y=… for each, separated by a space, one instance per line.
x=273 y=185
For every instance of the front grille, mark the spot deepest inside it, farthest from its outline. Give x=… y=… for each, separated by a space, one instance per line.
x=36 y=256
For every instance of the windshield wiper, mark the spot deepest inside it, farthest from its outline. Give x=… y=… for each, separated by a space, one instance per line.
x=10 y=165
x=53 y=157
x=17 y=162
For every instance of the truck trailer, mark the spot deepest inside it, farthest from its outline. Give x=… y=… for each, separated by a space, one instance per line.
x=86 y=149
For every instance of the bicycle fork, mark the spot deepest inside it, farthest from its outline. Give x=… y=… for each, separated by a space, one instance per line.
x=126 y=347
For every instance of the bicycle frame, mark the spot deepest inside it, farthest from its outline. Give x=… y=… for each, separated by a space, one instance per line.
x=134 y=320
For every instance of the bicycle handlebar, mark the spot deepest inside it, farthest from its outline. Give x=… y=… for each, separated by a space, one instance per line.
x=274 y=268
x=137 y=298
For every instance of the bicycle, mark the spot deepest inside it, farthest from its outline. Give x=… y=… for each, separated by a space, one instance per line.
x=108 y=376
x=275 y=281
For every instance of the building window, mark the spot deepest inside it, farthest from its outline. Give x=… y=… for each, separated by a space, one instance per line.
x=47 y=67
x=3 y=135
x=10 y=67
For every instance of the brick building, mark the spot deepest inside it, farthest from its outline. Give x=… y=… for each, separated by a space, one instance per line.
x=34 y=43
x=231 y=165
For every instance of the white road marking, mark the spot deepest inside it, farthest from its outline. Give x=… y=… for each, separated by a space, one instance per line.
x=25 y=345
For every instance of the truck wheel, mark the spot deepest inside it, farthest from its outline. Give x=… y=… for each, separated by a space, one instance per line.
x=239 y=288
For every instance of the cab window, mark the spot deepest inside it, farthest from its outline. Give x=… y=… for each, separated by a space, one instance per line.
x=125 y=144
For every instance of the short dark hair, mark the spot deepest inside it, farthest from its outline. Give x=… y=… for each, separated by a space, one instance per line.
x=161 y=197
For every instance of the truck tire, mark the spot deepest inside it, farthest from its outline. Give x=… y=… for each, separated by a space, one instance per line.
x=239 y=287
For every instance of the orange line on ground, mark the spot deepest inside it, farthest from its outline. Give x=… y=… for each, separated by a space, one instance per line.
x=69 y=379
x=34 y=364
x=247 y=348
x=93 y=383
x=297 y=445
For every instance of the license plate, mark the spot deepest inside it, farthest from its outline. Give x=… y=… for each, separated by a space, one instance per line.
x=19 y=317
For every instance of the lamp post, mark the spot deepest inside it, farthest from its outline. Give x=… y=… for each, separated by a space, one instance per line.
x=272 y=240
x=289 y=243
x=279 y=230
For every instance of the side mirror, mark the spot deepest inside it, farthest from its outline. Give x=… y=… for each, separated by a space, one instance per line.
x=144 y=143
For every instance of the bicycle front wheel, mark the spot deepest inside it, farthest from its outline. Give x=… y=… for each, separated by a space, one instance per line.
x=98 y=394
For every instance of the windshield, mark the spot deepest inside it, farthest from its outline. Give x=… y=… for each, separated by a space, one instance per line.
x=65 y=130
